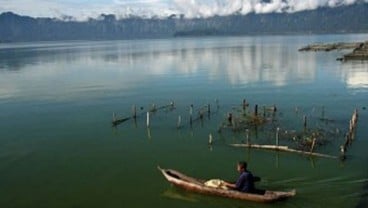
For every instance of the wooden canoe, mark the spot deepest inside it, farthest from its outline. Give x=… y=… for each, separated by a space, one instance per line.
x=197 y=185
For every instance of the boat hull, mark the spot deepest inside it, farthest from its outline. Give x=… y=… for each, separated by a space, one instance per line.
x=196 y=185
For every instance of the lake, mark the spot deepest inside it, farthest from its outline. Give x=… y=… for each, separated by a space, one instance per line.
x=58 y=147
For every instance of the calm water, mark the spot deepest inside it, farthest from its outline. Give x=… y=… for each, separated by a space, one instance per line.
x=58 y=149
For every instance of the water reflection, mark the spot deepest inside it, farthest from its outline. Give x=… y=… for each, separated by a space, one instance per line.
x=116 y=65
x=355 y=75
x=357 y=80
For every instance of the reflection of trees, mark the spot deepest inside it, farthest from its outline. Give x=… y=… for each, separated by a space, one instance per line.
x=82 y=66
x=18 y=59
x=240 y=63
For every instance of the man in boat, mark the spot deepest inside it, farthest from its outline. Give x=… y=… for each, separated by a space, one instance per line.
x=245 y=182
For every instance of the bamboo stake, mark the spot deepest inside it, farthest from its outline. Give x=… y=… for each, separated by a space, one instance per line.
x=353 y=124
x=355 y=117
x=134 y=111
x=210 y=139
x=274 y=110
x=153 y=109
x=296 y=109
x=351 y=128
x=256 y=110
x=305 y=122
x=230 y=118
x=191 y=114
x=350 y=135
x=244 y=104
x=113 y=118
x=233 y=123
x=148 y=120
x=277 y=136
x=149 y=133
x=313 y=144
x=342 y=153
x=247 y=136
x=178 y=124
x=201 y=114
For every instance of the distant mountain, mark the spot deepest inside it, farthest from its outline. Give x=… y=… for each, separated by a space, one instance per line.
x=343 y=19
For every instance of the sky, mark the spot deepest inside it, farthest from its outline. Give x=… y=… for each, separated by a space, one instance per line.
x=83 y=9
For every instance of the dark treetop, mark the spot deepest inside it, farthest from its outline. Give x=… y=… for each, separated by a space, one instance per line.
x=342 y=19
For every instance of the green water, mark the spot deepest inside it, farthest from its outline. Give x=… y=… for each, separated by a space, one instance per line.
x=58 y=149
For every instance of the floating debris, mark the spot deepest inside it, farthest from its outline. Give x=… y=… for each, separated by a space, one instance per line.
x=284 y=149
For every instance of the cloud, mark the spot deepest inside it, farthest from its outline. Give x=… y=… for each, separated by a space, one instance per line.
x=83 y=9
x=200 y=8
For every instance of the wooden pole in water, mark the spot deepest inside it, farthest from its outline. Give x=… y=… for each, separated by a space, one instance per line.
x=201 y=114
x=348 y=140
x=354 y=118
x=233 y=123
x=244 y=104
x=149 y=133
x=247 y=135
x=230 y=118
x=353 y=123
x=210 y=139
x=113 y=117
x=313 y=144
x=274 y=110
x=355 y=115
x=191 y=114
x=277 y=136
x=148 y=120
x=178 y=125
x=351 y=126
x=256 y=110
x=209 y=111
x=305 y=122
x=342 y=152
x=134 y=111
x=153 y=108
x=264 y=111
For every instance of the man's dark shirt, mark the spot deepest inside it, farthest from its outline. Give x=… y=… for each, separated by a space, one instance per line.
x=245 y=182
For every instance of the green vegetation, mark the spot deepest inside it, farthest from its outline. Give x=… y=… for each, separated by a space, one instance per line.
x=343 y=19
